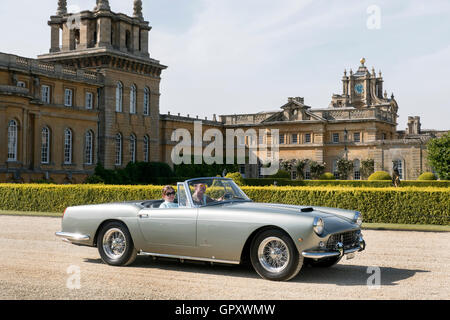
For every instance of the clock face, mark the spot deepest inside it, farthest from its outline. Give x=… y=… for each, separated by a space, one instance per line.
x=359 y=88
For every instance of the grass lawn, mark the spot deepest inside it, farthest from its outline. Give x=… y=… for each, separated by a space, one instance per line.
x=365 y=226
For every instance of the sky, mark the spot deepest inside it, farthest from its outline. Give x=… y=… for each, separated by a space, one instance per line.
x=246 y=56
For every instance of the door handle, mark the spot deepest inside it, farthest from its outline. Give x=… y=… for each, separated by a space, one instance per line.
x=143 y=215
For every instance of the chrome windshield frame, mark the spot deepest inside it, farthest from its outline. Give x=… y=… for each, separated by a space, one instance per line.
x=189 y=195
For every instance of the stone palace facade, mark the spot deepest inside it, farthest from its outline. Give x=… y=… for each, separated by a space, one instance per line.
x=95 y=98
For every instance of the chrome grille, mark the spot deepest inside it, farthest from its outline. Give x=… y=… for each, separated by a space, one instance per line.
x=348 y=239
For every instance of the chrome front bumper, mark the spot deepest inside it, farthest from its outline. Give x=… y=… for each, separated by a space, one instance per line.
x=69 y=237
x=339 y=252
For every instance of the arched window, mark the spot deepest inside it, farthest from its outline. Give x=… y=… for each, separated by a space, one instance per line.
x=68 y=138
x=118 y=149
x=146 y=101
x=45 y=146
x=12 y=140
x=398 y=164
x=146 y=149
x=335 y=170
x=119 y=97
x=133 y=99
x=356 y=169
x=89 y=148
x=308 y=171
x=133 y=148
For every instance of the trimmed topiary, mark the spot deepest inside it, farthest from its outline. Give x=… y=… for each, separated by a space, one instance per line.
x=327 y=176
x=427 y=176
x=380 y=175
x=237 y=178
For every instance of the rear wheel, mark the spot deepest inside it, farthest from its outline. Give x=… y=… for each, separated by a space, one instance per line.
x=274 y=256
x=115 y=245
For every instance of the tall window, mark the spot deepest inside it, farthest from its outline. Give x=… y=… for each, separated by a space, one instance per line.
x=282 y=138
x=118 y=149
x=357 y=137
x=12 y=140
x=308 y=138
x=133 y=99
x=335 y=171
x=45 y=146
x=119 y=97
x=398 y=164
x=146 y=101
x=89 y=148
x=308 y=171
x=335 y=137
x=294 y=138
x=356 y=169
x=68 y=97
x=68 y=137
x=89 y=100
x=133 y=148
x=45 y=94
x=146 y=149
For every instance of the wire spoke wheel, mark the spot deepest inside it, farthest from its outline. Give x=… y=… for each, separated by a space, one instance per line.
x=273 y=254
x=114 y=243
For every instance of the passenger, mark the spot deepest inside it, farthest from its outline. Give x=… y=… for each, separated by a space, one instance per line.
x=168 y=194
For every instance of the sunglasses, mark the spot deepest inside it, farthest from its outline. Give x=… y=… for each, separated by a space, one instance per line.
x=170 y=193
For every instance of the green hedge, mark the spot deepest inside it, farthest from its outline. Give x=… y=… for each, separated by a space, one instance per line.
x=381 y=205
x=387 y=205
x=345 y=183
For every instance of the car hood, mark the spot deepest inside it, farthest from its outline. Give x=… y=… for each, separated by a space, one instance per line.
x=309 y=211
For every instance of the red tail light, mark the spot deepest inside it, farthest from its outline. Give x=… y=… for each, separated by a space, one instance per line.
x=64 y=212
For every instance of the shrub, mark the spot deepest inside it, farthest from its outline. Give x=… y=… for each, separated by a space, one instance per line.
x=380 y=175
x=427 y=176
x=281 y=174
x=317 y=169
x=327 y=176
x=367 y=168
x=382 y=205
x=237 y=178
x=344 y=167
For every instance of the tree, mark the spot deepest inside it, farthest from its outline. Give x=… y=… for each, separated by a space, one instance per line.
x=344 y=168
x=439 y=155
x=367 y=168
x=317 y=169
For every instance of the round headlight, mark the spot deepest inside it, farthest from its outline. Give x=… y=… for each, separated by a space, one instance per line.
x=358 y=218
x=318 y=225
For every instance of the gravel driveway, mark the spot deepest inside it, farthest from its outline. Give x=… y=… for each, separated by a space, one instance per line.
x=35 y=264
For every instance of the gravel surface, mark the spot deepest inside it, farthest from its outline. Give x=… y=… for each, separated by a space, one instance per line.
x=36 y=264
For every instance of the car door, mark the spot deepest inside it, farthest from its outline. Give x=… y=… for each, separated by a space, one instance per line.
x=170 y=230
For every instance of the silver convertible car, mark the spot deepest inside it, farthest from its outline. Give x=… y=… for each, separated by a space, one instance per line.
x=213 y=220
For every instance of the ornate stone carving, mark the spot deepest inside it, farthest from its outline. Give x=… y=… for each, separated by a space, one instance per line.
x=62 y=7
x=137 y=9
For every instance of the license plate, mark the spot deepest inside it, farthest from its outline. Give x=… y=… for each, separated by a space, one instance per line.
x=350 y=256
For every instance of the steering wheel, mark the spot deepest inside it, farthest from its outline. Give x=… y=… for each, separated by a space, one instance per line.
x=228 y=196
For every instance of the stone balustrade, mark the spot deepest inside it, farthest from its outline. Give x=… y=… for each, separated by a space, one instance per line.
x=48 y=69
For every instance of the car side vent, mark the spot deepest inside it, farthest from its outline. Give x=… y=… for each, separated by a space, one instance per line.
x=309 y=209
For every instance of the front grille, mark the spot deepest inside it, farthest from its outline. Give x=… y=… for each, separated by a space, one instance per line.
x=348 y=239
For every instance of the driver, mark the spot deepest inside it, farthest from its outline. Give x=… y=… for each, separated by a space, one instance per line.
x=199 y=197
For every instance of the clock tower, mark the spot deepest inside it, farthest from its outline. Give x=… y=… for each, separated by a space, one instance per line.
x=363 y=89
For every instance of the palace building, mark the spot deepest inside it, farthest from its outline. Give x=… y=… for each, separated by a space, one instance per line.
x=94 y=98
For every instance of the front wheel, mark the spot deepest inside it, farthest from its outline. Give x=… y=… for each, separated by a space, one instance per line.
x=274 y=256
x=115 y=245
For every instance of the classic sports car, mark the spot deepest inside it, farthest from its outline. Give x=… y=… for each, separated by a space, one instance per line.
x=215 y=221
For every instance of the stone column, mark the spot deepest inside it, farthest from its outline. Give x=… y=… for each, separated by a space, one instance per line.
x=3 y=136
x=55 y=38
x=84 y=34
x=136 y=39
x=104 y=32
x=144 y=42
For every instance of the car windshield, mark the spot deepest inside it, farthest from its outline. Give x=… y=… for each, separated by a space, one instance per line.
x=212 y=191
